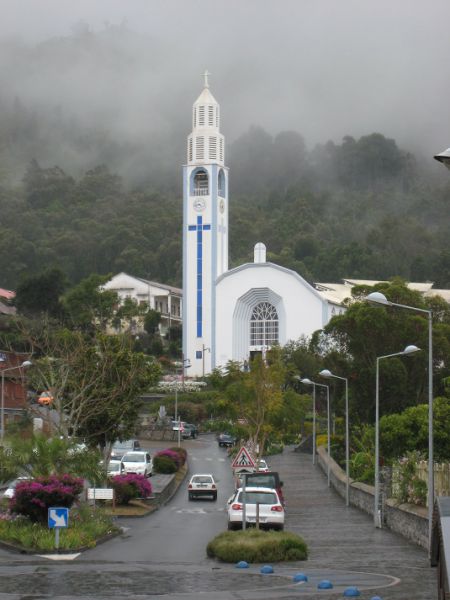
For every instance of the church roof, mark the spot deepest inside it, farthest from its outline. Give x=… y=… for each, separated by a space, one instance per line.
x=338 y=292
x=263 y=265
x=206 y=98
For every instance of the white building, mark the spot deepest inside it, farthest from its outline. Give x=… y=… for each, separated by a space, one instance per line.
x=231 y=315
x=158 y=296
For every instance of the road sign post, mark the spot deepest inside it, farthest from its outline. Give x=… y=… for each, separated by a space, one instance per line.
x=58 y=518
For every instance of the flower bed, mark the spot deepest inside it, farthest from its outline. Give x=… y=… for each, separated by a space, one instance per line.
x=131 y=486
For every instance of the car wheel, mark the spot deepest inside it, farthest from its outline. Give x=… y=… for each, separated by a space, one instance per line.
x=231 y=526
x=191 y=496
x=214 y=496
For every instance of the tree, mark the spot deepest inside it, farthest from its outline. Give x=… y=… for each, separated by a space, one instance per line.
x=40 y=456
x=95 y=382
x=41 y=294
x=258 y=398
x=89 y=306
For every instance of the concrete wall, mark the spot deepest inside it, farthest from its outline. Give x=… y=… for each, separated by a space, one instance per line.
x=408 y=520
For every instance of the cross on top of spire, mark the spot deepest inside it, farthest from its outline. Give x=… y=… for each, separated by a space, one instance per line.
x=206 y=74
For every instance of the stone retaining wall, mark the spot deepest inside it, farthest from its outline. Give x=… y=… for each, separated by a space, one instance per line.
x=408 y=520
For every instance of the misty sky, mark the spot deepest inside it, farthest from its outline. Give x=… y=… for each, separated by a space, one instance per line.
x=325 y=68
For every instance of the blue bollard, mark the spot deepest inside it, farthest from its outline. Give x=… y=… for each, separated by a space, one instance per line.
x=242 y=564
x=352 y=592
x=300 y=577
x=325 y=584
x=266 y=569
x=376 y=598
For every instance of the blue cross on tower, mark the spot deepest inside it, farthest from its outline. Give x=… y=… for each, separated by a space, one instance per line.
x=199 y=228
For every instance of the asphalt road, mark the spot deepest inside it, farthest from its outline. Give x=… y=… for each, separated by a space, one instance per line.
x=162 y=556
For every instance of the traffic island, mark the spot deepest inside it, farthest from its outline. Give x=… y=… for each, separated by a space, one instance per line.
x=257 y=546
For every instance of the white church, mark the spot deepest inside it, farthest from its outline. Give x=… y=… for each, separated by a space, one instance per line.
x=231 y=314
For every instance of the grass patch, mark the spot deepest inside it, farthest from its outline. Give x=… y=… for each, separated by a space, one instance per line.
x=257 y=546
x=135 y=508
x=86 y=526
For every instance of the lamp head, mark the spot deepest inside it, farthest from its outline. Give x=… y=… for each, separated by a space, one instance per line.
x=326 y=373
x=378 y=298
x=444 y=157
x=411 y=349
x=306 y=381
x=26 y=363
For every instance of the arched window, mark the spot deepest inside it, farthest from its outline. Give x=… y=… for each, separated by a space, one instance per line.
x=221 y=183
x=200 y=187
x=264 y=325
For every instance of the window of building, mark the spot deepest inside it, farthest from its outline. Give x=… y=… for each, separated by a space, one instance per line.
x=213 y=148
x=201 y=115
x=221 y=184
x=200 y=187
x=264 y=325
x=199 y=148
x=211 y=116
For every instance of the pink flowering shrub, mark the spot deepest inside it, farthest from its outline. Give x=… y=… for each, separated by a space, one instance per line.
x=173 y=456
x=128 y=487
x=32 y=498
x=182 y=453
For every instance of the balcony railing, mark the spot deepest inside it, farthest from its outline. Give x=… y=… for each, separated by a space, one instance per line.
x=200 y=191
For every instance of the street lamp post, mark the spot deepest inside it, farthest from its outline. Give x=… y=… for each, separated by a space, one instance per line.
x=326 y=373
x=379 y=298
x=25 y=364
x=377 y=512
x=307 y=381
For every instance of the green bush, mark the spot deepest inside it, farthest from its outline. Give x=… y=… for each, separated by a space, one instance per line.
x=256 y=546
x=130 y=486
x=86 y=526
x=164 y=464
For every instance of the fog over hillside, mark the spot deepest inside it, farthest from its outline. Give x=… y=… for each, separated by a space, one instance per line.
x=122 y=76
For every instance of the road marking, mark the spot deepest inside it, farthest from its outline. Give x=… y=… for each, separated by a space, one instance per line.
x=191 y=457
x=60 y=556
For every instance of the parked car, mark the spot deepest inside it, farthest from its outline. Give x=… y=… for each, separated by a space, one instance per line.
x=262 y=466
x=10 y=490
x=268 y=479
x=120 y=448
x=226 y=440
x=271 y=511
x=190 y=431
x=115 y=467
x=140 y=463
x=202 y=485
x=178 y=425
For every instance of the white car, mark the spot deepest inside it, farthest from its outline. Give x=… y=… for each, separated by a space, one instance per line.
x=262 y=466
x=140 y=463
x=10 y=490
x=115 y=467
x=202 y=484
x=271 y=511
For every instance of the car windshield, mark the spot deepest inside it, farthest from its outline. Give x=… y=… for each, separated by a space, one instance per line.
x=202 y=479
x=262 y=480
x=134 y=458
x=114 y=467
x=258 y=498
x=122 y=445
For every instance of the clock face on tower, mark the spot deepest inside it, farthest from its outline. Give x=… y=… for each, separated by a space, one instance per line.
x=199 y=204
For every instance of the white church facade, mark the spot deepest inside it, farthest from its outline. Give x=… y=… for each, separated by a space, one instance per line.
x=231 y=314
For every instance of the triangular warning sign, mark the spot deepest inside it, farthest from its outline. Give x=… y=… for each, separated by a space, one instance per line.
x=243 y=459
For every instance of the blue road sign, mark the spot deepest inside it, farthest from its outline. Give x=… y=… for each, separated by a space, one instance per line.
x=58 y=517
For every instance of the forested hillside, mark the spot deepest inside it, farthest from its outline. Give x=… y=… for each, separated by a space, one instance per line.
x=90 y=198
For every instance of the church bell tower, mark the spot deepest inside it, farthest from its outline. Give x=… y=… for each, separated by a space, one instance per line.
x=205 y=232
